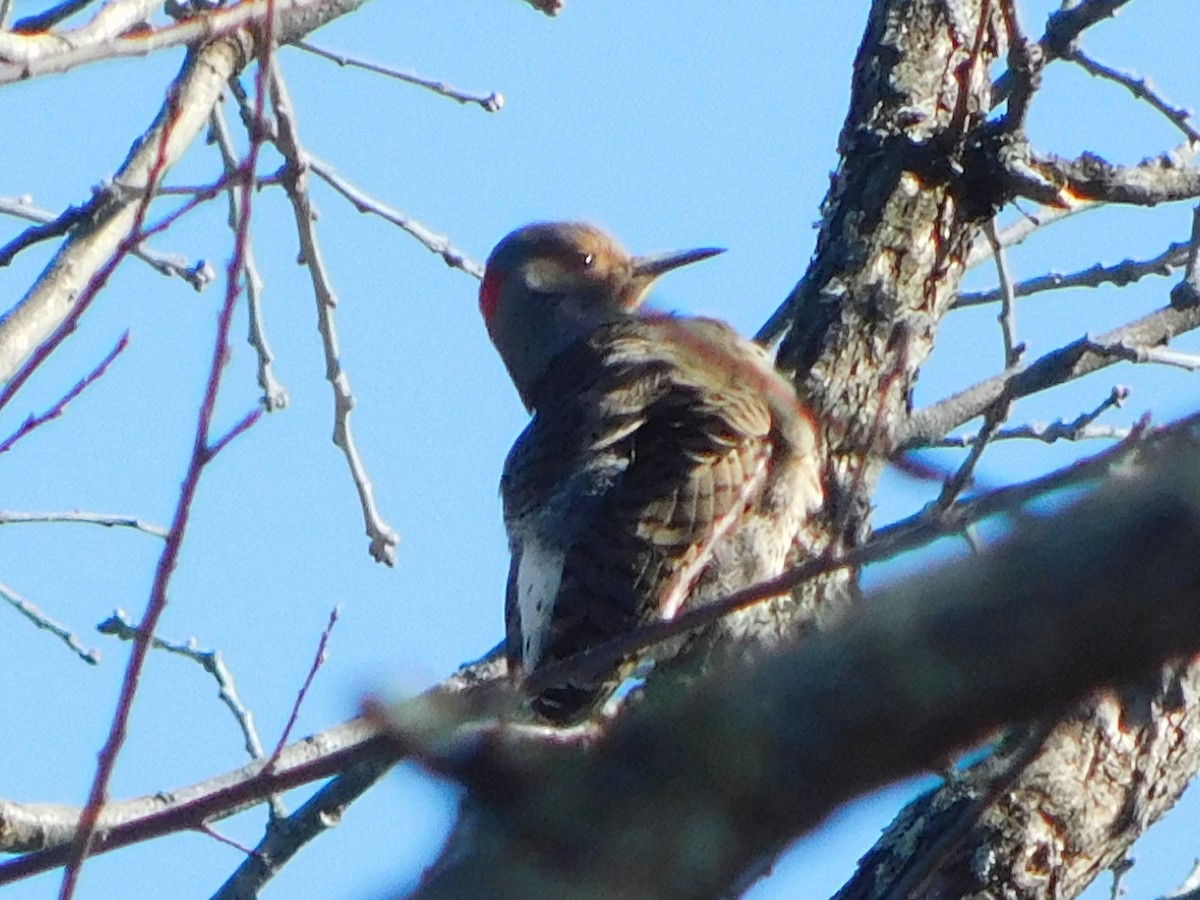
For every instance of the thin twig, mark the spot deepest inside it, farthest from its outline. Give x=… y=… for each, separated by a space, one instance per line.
x=1007 y=316
x=318 y=661
x=107 y=520
x=365 y=203
x=1079 y=358
x=284 y=838
x=995 y=414
x=211 y=832
x=383 y=539
x=993 y=418
x=198 y=274
x=57 y=409
x=1025 y=226
x=1025 y=64
x=201 y=455
x=1062 y=30
x=211 y=661
x=1140 y=89
x=145 y=818
x=1128 y=271
x=1080 y=428
x=275 y=395
x=243 y=424
x=1047 y=433
x=493 y=102
x=46 y=228
x=138 y=232
x=34 y=614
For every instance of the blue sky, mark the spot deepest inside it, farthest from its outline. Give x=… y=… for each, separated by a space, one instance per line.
x=674 y=126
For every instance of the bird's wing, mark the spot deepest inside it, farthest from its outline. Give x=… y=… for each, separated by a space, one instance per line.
x=648 y=444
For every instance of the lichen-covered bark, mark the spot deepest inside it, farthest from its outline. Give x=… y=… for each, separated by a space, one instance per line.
x=1104 y=776
x=901 y=214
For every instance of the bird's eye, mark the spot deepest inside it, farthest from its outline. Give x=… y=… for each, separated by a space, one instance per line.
x=588 y=259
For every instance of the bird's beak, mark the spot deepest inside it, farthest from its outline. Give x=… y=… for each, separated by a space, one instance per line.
x=647 y=268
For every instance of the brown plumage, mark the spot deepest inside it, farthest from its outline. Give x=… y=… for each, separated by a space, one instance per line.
x=666 y=464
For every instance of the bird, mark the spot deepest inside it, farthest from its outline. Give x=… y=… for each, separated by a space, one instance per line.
x=666 y=463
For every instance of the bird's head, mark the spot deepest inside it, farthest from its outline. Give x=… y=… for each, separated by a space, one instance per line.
x=548 y=284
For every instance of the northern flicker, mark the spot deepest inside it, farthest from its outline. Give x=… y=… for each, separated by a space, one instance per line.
x=667 y=463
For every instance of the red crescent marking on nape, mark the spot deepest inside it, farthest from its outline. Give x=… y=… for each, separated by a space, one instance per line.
x=489 y=295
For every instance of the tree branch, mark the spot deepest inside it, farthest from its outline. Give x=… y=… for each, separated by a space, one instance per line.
x=919 y=670
x=1075 y=360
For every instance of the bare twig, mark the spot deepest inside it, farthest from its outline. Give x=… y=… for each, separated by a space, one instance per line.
x=383 y=538
x=1140 y=89
x=211 y=832
x=275 y=396
x=284 y=838
x=1080 y=428
x=995 y=414
x=493 y=102
x=199 y=274
x=243 y=424
x=1007 y=317
x=318 y=661
x=1022 y=228
x=1062 y=30
x=57 y=409
x=79 y=305
x=1128 y=271
x=1047 y=433
x=211 y=661
x=365 y=203
x=47 y=228
x=202 y=454
x=1075 y=360
x=1025 y=64
x=35 y=615
x=993 y=418
x=108 y=521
